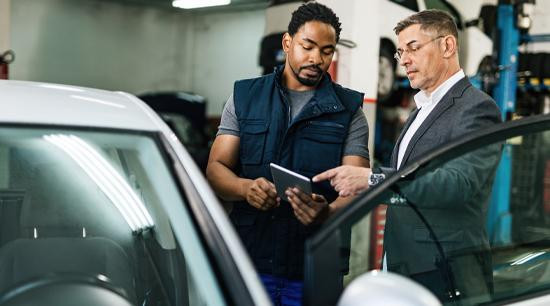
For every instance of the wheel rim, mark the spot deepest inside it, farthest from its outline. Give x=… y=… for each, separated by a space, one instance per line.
x=385 y=76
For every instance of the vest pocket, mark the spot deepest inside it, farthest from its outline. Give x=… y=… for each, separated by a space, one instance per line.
x=252 y=141
x=321 y=146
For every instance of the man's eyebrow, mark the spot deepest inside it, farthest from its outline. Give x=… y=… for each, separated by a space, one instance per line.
x=315 y=43
x=407 y=44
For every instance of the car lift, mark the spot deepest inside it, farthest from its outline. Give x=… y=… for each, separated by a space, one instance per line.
x=513 y=17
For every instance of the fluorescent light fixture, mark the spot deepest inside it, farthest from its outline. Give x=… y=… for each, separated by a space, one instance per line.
x=191 y=4
x=107 y=179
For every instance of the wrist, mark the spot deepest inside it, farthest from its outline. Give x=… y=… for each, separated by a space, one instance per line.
x=245 y=186
x=376 y=177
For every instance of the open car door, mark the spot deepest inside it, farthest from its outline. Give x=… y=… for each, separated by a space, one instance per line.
x=437 y=234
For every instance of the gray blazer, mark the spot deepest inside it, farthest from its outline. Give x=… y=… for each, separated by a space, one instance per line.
x=453 y=198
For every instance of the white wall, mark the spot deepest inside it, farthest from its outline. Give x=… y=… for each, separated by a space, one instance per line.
x=134 y=48
x=225 y=48
x=99 y=44
x=541 y=25
x=4 y=25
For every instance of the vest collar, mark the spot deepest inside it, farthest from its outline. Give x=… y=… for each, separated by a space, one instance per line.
x=324 y=100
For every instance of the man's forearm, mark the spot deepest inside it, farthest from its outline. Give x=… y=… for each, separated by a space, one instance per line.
x=226 y=183
x=338 y=204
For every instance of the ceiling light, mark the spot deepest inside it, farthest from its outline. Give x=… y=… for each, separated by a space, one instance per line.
x=191 y=4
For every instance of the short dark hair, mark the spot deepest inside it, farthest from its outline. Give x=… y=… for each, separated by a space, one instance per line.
x=430 y=20
x=313 y=11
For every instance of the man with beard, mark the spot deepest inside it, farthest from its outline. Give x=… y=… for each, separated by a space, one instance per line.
x=298 y=118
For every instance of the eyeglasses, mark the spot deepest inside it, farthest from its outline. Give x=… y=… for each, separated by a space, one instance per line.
x=411 y=49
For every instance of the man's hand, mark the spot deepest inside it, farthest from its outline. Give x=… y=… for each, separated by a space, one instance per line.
x=307 y=209
x=346 y=180
x=261 y=194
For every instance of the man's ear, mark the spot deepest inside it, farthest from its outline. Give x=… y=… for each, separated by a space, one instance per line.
x=287 y=39
x=451 y=47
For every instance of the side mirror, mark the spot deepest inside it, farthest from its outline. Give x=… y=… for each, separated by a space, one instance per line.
x=386 y=288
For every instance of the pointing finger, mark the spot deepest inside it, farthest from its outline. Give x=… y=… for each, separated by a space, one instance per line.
x=324 y=176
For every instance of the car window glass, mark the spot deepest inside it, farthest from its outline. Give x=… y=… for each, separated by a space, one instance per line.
x=186 y=132
x=438 y=229
x=96 y=203
x=410 y=4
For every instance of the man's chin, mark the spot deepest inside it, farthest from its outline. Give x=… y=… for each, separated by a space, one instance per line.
x=413 y=84
x=309 y=82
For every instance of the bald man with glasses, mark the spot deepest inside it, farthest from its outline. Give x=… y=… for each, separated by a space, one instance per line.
x=447 y=107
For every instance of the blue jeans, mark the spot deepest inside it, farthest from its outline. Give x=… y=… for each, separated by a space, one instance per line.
x=283 y=291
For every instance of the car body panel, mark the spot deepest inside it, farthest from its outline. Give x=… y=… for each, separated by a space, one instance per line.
x=55 y=104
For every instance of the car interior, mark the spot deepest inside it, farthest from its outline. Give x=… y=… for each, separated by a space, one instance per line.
x=57 y=219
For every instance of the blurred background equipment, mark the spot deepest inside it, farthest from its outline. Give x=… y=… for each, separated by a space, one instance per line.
x=185 y=113
x=6 y=58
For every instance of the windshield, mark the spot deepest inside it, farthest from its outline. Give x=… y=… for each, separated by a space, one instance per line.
x=92 y=203
x=472 y=225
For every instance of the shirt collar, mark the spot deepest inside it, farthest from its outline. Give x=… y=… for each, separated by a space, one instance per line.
x=422 y=99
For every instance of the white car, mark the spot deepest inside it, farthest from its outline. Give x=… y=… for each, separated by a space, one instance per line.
x=100 y=204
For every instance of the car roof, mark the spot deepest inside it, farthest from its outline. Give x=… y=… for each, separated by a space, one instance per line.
x=25 y=102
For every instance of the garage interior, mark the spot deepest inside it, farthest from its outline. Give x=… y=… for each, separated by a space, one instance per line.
x=183 y=63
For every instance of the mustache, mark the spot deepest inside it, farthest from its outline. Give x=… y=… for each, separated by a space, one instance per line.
x=314 y=67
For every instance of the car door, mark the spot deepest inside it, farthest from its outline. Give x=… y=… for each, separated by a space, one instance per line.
x=436 y=226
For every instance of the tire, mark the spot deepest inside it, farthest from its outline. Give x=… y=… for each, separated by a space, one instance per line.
x=545 y=72
x=386 y=76
x=536 y=63
x=523 y=59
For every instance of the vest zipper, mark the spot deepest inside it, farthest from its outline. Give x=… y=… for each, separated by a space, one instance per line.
x=279 y=149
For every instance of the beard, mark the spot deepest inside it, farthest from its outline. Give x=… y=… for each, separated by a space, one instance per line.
x=305 y=80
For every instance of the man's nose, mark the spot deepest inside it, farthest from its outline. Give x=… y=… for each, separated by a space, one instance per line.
x=405 y=59
x=316 y=58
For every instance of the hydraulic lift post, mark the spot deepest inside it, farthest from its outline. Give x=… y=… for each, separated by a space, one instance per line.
x=499 y=221
x=512 y=17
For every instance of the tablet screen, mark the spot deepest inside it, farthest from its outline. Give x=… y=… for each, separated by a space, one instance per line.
x=284 y=179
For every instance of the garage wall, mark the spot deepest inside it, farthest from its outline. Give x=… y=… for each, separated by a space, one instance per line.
x=99 y=44
x=541 y=25
x=226 y=48
x=4 y=25
x=134 y=48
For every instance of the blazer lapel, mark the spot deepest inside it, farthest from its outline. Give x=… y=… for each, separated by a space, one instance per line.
x=395 y=152
x=446 y=102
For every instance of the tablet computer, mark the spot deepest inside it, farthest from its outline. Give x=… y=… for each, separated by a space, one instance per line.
x=284 y=179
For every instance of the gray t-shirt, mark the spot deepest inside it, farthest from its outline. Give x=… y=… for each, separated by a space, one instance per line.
x=356 y=142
